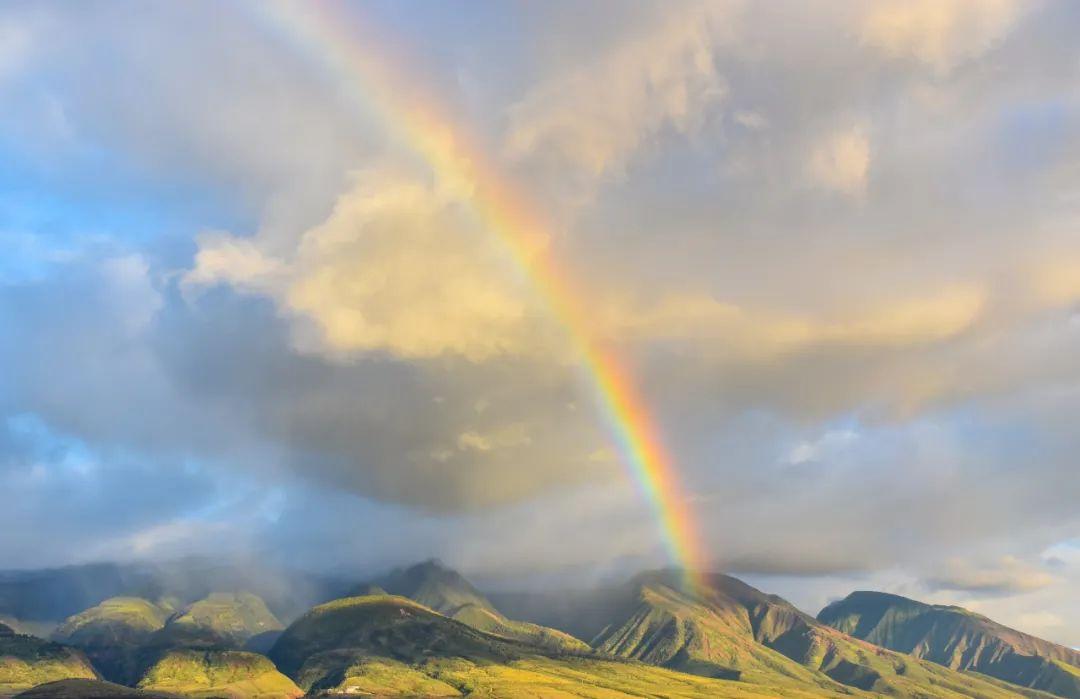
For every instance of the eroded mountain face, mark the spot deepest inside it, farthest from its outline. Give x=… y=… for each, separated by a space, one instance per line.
x=958 y=639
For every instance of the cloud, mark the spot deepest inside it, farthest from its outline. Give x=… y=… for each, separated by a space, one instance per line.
x=227 y=281
x=841 y=162
x=595 y=117
x=1007 y=575
x=239 y=261
x=825 y=446
x=720 y=329
x=396 y=268
x=940 y=33
x=15 y=42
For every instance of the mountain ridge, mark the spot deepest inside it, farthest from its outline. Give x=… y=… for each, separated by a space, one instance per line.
x=438 y=587
x=957 y=638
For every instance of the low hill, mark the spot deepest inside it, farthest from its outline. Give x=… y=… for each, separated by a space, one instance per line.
x=111 y=634
x=202 y=673
x=220 y=620
x=57 y=593
x=384 y=626
x=88 y=689
x=27 y=661
x=958 y=639
x=729 y=629
x=391 y=646
x=447 y=592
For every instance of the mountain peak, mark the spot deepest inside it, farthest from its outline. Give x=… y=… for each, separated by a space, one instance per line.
x=443 y=589
x=432 y=584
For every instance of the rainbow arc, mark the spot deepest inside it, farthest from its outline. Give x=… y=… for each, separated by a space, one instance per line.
x=328 y=34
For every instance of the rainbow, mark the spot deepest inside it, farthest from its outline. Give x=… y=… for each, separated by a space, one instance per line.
x=329 y=36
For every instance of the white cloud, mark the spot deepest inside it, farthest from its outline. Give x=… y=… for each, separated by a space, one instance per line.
x=940 y=33
x=396 y=267
x=596 y=117
x=841 y=161
x=828 y=445
x=1007 y=574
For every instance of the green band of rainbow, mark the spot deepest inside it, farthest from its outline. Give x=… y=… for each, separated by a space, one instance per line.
x=322 y=30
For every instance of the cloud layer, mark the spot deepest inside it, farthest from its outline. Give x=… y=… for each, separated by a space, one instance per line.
x=836 y=246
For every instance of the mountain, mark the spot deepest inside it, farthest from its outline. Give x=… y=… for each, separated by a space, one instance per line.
x=39 y=599
x=386 y=645
x=728 y=629
x=88 y=689
x=112 y=633
x=193 y=651
x=957 y=638
x=26 y=661
x=440 y=588
x=56 y=593
x=219 y=620
x=228 y=673
x=426 y=631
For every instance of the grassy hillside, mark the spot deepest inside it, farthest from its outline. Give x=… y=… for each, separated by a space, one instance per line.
x=88 y=689
x=733 y=630
x=111 y=634
x=958 y=639
x=231 y=617
x=200 y=673
x=384 y=626
x=392 y=646
x=447 y=592
x=26 y=661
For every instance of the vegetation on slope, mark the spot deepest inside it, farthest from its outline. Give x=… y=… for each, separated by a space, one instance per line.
x=227 y=673
x=112 y=633
x=733 y=630
x=392 y=646
x=958 y=639
x=447 y=592
x=221 y=618
x=26 y=661
x=88 y=689
x=384 y=626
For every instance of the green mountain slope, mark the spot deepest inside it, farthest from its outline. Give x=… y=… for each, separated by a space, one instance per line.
x=26 y=661
x=733 y=630
x=447 y=592
x=202 y=673
x=957 y=638
x=392 y=646
x=223 y=619
x=88 y=689
x=197 y=651
x=111 y=634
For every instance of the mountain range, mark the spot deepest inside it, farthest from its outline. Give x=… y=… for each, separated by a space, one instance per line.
x=425 y=630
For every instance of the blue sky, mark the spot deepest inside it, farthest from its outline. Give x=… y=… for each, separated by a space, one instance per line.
x=838 y=248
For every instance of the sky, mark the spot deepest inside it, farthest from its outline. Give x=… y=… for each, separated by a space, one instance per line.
x=836 y=246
